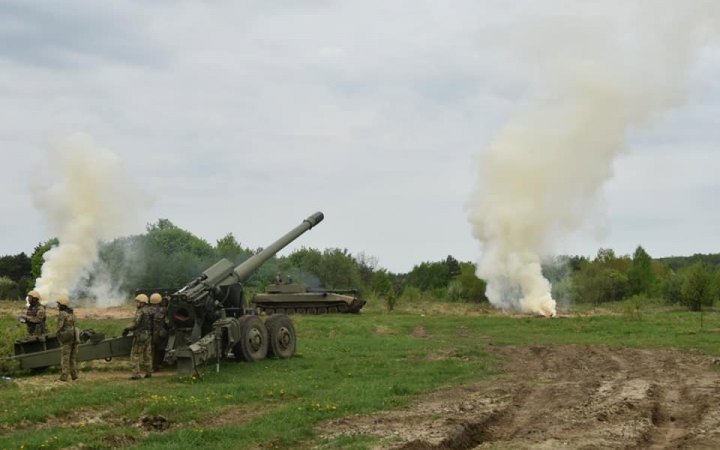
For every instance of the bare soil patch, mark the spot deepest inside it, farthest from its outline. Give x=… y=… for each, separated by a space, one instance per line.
x=420 y=333
x=579 y=397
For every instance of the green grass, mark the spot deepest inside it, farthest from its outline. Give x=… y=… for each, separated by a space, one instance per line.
x=345 y=365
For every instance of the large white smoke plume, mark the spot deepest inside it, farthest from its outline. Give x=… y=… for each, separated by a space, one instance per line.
x=604 y=69
x=85 y=196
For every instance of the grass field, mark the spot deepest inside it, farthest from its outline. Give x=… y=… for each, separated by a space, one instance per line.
x=345 y=365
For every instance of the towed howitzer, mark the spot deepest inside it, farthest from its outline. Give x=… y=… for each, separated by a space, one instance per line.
x=207 y=319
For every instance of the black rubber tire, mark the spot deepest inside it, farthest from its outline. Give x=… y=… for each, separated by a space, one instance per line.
x=283 y=338
x=253 y=345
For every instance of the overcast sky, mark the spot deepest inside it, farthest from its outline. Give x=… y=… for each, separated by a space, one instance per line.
x=246 y=117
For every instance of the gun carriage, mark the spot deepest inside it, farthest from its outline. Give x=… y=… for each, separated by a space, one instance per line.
x=207 y=320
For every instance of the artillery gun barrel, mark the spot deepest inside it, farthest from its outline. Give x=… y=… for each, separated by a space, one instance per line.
x=245 y=269
x=200 y=326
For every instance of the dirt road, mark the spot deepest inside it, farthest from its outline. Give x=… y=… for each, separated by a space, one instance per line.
x=577 y=397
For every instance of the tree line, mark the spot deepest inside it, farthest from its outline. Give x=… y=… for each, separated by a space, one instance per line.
x=693 y=281
x=166 y=256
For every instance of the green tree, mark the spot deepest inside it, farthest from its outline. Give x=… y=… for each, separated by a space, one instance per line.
x=605 y=256
x=17 y=268
x=602 y=280
x=338 y=269
x=453 y=266
x=716 y=284
x=429 y=276
x=166 y=256
x=125 y=261
x=167 y=239
x=366 y=265
x=467 y=286
x=8 y=289
x=697 y=288
x=671 y=287
x=305 y=258
x=38 y=257
x=641 y=277
x=334 y=268
x=228 y=247
x=382 y=287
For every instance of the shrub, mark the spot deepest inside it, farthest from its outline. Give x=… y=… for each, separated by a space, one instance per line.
x=9 y=289
x=411 y=294
x=634 y=306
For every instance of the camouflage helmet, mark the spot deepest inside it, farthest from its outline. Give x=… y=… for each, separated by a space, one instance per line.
x=63 y=300
x=142 y=298
x=34 y=294
x=155 y=298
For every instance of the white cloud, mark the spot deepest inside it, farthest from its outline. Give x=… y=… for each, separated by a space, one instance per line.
x=247 y=117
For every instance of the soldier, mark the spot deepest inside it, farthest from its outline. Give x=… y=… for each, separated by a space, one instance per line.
x=34 y=317
x=141 y=354
x=278 y=278
x=159 y=330
x=67 y=336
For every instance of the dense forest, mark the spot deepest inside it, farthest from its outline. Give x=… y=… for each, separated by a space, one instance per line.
x=168 y=256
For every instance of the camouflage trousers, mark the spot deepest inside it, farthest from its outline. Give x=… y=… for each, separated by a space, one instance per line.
x=68 y=361
x=142 y=355
x=38 y=330
x=158 y=343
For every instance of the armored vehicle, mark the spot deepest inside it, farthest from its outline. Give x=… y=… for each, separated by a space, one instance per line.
x=297 y=298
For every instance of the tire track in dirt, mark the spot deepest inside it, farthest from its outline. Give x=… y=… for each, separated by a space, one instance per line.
x=578 y=397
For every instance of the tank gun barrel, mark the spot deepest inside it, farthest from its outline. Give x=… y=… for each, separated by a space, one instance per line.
x=245 y=269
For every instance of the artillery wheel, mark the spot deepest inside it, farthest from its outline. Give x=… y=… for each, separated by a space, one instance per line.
x=282 y=336
x=253 y=344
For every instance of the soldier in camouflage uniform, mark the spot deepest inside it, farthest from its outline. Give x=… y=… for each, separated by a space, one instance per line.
x=159 y=336
x=34 y=317
x=67 y=336
x=142 y=327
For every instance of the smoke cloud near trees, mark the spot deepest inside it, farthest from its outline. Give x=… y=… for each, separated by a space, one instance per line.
x=603 y=69
x=85 y=196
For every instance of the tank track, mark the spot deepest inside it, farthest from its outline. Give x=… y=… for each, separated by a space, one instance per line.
x=312 y=308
